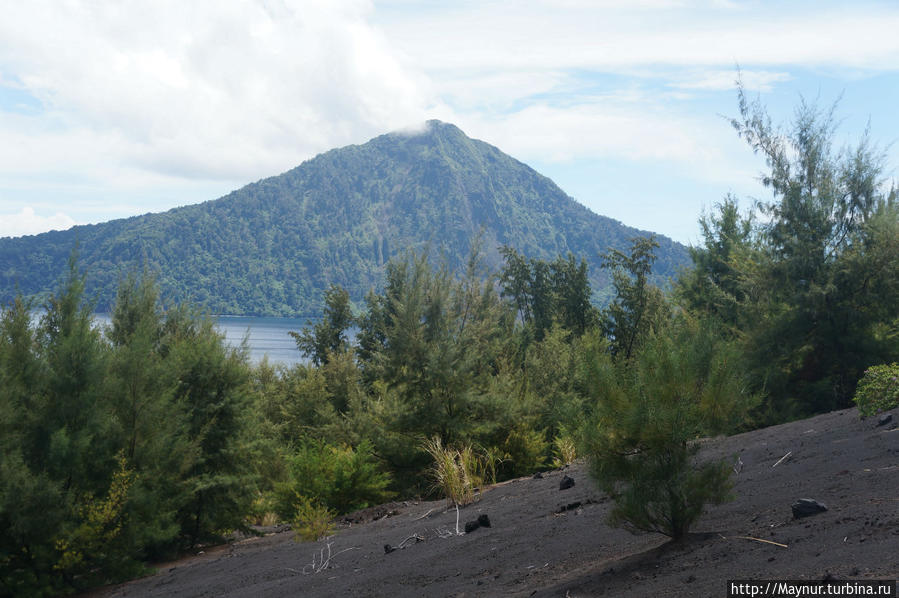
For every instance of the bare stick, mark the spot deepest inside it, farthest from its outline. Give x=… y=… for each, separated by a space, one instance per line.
x=779 y=461
x=423 y=516
x=458 y=533
x=323 y=562
x=415 y=537
x=758 y=540
x=314 y=567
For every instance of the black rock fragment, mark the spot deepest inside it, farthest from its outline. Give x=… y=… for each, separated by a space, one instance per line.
x=481 y=521
x=884 y=419
x=569 y=507
x=388 y=549
x=805 y=507
x=566 y=483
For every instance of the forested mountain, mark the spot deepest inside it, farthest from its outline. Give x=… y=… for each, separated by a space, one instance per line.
x=274 y=246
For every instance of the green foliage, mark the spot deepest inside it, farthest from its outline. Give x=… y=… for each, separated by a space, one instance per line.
x=311 y=520
x=811 y=289
x=878 y=390
x=649 y=412
x=715 y=286
x=91 y=549
x=212 y=382
x=550 y=369
x=433 y=341
x=638 y=307
x=329 y=335
x=545 y=293
x=114 y=447
x=525 y=451
x=341 y=478
x=564 y=449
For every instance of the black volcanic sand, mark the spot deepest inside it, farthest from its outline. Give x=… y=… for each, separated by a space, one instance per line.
x=542 y=543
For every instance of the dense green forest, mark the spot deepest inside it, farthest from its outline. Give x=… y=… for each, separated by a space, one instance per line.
x=150 y=436
x=275 y=246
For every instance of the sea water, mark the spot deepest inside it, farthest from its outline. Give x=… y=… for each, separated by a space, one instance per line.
x=266 y=337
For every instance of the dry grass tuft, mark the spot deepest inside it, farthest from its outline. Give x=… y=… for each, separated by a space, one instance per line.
x=457 y=472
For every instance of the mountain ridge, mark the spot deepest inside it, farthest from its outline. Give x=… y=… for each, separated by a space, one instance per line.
x=274 y=245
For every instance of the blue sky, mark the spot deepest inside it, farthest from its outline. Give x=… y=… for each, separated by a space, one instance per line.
x=110 y=109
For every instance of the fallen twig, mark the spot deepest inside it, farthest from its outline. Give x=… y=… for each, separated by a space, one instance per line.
x=779 y=461
x=755 y=540
x=423 y=516
x=415 y=537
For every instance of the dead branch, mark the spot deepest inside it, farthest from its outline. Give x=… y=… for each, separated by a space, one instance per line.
x=781 y=460
x=323 y=561
x=756 y=540
x=442 y=532
x=423 y=516
x=415 y=537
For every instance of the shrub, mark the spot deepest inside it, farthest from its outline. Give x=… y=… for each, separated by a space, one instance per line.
x=878 y=390
x=92 y=550
x=311 y=521
x=649 y=412
x=526 y=450
x=263 y=510
x=341 y=478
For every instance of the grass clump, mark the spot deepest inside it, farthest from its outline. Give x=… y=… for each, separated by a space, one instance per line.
x=564 y=449
x=456 y=472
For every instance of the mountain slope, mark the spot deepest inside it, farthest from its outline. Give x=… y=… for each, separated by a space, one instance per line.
x=272 y=247
x=548 y=542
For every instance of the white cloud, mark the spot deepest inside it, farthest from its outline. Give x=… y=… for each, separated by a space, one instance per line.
x=171 y=98
x=640 y=131
x=720 y=79
x=27 y=222
x=206 y=89
x=621 y=36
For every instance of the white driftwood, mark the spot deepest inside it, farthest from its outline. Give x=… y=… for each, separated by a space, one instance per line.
x=323 y=562
x=782 y=459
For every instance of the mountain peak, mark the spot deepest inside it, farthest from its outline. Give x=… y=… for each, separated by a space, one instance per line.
x=435 y=126
x=430 y=128
x=274 y=246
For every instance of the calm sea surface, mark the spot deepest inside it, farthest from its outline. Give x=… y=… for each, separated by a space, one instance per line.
x=267 y=336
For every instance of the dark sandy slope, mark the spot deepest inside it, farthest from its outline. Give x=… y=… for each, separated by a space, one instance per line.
x=537 y=547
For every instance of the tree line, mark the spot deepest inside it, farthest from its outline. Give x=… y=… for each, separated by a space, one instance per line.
x=125 y=444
